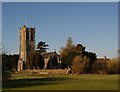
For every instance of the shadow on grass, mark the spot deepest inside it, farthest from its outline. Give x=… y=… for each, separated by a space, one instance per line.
x=32 y=82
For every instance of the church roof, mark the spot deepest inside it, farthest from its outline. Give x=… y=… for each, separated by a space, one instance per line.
x=47 y=55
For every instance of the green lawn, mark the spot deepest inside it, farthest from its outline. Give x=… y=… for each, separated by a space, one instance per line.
x=63 y=82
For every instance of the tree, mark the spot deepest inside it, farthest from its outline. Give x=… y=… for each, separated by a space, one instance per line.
x=39 y=61
x=92 y=64
x=35 y=61
x=67 y=53
x=6 y=67
x=9 y=62
x=76 y=67
x=114 y=65
x=14 y=61
x=42 y=46
x=80 y=49
x=84 y=62
x=6 y=62
x=80 y=64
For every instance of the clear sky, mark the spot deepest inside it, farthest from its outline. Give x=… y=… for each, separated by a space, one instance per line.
x=94 y=25
x=60 y=0
x=0 y=24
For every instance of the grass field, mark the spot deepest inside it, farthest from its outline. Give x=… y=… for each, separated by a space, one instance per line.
x=62 y=82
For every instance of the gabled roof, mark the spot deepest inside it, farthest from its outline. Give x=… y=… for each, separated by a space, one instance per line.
x=47 y=54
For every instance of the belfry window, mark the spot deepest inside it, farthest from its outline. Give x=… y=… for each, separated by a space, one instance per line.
x=32 y=35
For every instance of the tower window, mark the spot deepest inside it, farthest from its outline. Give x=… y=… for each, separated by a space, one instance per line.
x=27 y=35
x=32 y=35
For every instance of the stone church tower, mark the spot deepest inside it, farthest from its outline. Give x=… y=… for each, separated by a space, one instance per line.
x=27 y=44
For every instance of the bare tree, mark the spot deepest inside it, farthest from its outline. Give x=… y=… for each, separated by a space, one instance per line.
x=3 y=50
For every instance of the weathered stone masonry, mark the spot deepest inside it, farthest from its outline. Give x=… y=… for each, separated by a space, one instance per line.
x=27 y=44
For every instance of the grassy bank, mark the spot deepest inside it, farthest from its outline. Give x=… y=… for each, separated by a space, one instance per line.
x=62 y=82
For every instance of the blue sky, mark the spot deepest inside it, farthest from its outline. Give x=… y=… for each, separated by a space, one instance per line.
x=94 y=25
x=0 y=23
x=60 y=0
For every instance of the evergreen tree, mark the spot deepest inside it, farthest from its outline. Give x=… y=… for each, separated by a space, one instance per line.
x=42 y=46
x=67 y=53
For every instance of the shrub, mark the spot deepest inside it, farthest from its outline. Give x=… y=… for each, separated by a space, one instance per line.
x=80 y=64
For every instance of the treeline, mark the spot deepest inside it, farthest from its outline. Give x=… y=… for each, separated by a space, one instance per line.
x=74 y=57
x=84 y=62
x=9 y=64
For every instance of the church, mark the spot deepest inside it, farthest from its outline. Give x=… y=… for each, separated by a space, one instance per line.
x=27 y=45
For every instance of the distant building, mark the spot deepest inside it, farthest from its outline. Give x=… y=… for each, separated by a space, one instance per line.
x=102 y=64
x=27 y=44
x=103 y=60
